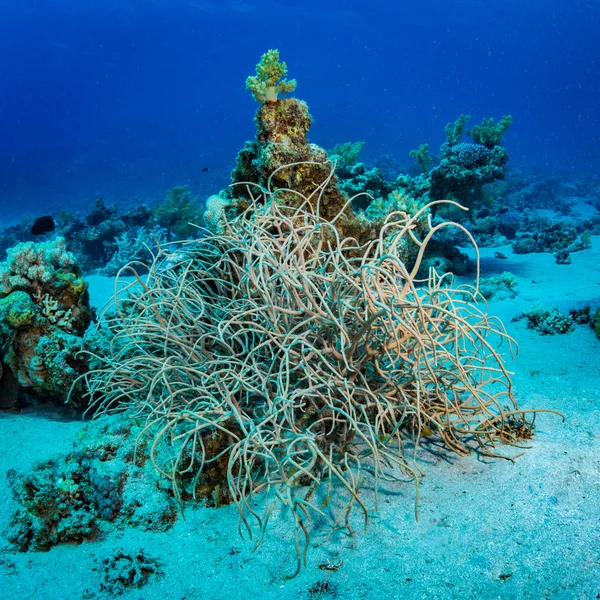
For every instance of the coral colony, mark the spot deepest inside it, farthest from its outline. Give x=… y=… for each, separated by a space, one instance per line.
x=293 y=354
x=296 y=351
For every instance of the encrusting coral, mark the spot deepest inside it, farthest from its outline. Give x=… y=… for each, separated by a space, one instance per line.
x=73 y=497
x=279 y=363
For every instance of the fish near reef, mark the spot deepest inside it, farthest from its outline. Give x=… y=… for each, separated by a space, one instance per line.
x=43 y=225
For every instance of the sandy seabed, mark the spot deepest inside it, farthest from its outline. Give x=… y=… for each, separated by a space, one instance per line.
x=487 y=528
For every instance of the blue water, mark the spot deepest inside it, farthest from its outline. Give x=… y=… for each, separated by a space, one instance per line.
x=126 y=99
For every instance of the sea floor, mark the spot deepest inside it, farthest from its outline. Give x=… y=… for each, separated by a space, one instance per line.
x=487 y=528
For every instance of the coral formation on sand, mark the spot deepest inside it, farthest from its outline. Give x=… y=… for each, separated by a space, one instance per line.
x=123 y=571
x=293 y=355
x=280 y=363
x=499 y=286
x=287 y=360
x=44 y=311
x=74 y=497
x=547 y=321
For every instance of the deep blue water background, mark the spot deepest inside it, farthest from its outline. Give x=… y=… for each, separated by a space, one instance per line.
x=124 y=99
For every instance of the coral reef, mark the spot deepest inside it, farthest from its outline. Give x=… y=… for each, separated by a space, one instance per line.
x=464 y=169
x=560 y=238
x=295 y=367
x=353 y=197
x=92 y=238
x=363 y=185
x=281 y=158
x=136 y=245
x=508 y=222
x=107 y=240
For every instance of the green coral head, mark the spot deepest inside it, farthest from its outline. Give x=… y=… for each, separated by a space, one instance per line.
x=270 y=78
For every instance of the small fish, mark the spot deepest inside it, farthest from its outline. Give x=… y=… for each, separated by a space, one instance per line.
x=205 y=170
x=43 y=225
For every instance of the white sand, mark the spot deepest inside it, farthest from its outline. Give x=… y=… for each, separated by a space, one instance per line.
x=487 y=528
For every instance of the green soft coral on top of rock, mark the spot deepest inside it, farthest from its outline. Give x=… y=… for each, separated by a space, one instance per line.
x=454 y=129
x=489 y=134
x=269 y=80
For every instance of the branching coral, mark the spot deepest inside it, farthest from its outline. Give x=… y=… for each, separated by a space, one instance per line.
x=282 y=364
x=454 y=130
